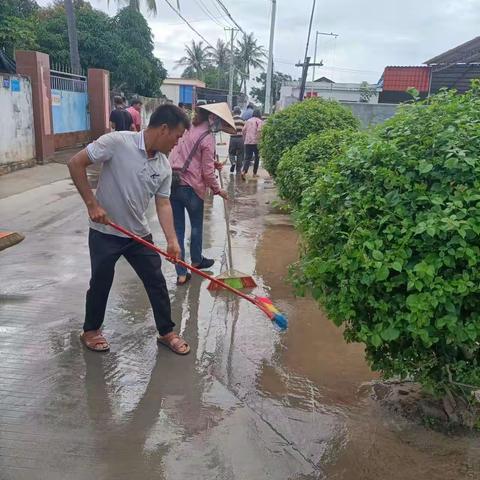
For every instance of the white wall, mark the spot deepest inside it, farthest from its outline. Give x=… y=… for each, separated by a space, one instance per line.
x=172 y=92
x=343 y=92
x=17 y=136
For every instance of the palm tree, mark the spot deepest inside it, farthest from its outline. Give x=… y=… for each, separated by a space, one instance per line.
x=72 y=36
x=196 y=59
x=250 y=55
x=220 y=57
x=135 y=4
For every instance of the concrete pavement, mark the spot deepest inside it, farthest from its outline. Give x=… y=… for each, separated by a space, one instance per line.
x=248 y=403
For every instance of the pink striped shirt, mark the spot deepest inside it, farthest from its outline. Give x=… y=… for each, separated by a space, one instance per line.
x=201 y=172
x=251 y=131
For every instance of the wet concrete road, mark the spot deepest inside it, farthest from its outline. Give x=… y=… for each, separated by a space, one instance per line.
x=247 y=403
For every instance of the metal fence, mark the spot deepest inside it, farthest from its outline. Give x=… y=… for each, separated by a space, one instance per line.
x=68 y=82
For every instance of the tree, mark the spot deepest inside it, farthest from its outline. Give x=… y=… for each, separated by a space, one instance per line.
x=366 y=92
x=72 y=36
x=196 y=59
x=220 y=57
x=122 y=44
x=250 y=55
x=136 y=4
x=259 y=92
x=17 y=25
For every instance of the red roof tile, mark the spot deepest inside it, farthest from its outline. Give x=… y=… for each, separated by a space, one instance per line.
x=400 y=79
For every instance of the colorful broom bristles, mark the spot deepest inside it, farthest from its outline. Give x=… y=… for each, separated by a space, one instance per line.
x=275 y=316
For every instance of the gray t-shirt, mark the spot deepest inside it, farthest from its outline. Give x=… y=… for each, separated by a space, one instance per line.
x=128 y=180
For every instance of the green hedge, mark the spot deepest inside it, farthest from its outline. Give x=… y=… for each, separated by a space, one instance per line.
x=392 y=242
x=286 y=128
x=297 y=168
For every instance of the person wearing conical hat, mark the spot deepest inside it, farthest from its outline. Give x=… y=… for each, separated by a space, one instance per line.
x=194 y=161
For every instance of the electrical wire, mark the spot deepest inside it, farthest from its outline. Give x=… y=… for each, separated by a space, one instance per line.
x=209 y=14
x=225 y=9
x=188 y=23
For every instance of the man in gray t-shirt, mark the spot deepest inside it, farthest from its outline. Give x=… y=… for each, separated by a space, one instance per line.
x=134 y=170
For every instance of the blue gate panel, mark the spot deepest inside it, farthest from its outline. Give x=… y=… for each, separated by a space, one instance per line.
x=69 y=111
x=186 y=94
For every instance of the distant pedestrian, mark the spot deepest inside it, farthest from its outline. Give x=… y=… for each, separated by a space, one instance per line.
x=134 y=170
x=248 y=113
x=135 y=110
x=120 y=119
x=236 y=147
x=251 y=137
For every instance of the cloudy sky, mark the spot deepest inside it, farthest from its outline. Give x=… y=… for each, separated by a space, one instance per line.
x=372 y=33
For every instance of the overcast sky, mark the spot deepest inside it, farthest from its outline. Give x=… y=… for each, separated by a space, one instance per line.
x=372 y=33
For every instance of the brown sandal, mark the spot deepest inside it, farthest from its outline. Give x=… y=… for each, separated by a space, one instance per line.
x=174 y=343
x=93 y=342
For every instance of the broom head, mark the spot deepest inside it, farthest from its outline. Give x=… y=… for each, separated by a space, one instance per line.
x=233 y=279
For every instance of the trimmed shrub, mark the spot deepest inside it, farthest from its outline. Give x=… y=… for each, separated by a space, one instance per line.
x=297 y=169
x=392 y=243
x=285 y=129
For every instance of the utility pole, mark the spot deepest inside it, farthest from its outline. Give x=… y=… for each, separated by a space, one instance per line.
x=306 y=62
x=317 y=33
x=232 y=66
x=72 y=37
x=268 y=83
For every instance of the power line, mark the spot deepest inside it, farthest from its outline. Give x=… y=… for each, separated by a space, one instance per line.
x=204 y=9
x=188 y=23
x=225 y=9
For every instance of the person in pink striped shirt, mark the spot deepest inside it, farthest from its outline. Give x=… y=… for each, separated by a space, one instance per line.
x=134 y=110
x=251 y=137
x=195 y=182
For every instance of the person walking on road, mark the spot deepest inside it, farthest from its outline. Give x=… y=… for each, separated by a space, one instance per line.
x=193 y=160
x=248 y=113
x=135 y=168
x=135 y=110
x=251 y=137
x=120 y=119
x=236 y=147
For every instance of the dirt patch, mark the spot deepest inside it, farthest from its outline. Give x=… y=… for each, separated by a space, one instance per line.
x=409 y=400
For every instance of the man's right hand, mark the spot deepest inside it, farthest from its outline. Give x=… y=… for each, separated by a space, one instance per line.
x=98 y=214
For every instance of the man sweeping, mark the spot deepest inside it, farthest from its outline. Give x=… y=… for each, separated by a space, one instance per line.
x=134 y=169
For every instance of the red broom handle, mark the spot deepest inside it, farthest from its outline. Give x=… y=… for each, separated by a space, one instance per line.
x=189 y=267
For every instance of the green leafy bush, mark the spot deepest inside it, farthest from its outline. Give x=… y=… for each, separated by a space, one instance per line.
x=286 y=128
x=297 y=169
x=392 y=242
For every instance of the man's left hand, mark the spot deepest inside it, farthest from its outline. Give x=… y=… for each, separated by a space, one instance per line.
x=173 y=249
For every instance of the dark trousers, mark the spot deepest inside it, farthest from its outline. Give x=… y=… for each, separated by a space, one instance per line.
x=184 y=198
x=251 y=151
x=236 y=153
x=105 y=250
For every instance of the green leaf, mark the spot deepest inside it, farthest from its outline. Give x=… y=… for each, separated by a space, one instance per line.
x=383 y=273
x=424 y=167
x=377 y=255
x=397 y=265
x=390 y=333
x=376 y=340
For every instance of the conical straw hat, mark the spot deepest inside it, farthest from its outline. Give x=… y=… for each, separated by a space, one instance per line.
x=222 y=110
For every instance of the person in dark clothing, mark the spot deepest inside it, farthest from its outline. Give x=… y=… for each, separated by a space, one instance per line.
x=120 y=119
x=236 y=147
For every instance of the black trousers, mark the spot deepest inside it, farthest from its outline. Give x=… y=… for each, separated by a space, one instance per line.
x=105 y=250
x=251 y=150
x=236 y=151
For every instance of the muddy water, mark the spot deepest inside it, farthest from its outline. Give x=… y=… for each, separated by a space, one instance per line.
x=317 y=371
